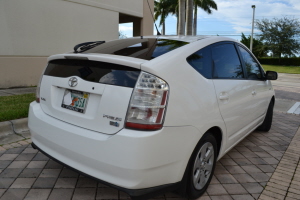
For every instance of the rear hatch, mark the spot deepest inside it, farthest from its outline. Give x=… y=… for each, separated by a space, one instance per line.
x=93 y=94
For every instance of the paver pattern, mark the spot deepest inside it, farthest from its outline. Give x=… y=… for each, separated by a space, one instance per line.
x=285 y=181
x=243 y=173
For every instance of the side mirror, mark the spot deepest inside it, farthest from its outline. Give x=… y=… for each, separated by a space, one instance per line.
x=271 y=75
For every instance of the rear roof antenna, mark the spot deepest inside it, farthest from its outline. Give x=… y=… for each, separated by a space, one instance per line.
x=158 y=33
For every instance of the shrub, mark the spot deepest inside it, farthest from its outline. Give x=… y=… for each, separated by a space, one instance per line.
x=283 y=61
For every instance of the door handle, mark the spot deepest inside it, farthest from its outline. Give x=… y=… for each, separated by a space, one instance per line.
x=223 y=97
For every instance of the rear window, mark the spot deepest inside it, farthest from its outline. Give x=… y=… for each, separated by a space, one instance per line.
x=146 y=48
x=94 y=71
x=201 y=61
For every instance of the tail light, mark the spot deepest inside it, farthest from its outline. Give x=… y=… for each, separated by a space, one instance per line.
x=148 y=103
x=37 y=93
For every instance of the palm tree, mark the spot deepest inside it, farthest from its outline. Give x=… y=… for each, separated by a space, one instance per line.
x=183 y=9
x=189 y=17
x=173 y=10
x=181 y=15
x=207 y=6
x=162 y=9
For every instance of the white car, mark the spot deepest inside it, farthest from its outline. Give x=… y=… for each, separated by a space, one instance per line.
x=150 y=114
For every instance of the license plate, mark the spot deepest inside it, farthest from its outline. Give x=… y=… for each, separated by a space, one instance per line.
x=75 y=100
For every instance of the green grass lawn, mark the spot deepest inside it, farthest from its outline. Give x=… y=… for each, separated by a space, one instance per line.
x=15 y=107
x=282 y=69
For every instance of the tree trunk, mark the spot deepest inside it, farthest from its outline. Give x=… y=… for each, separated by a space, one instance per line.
x=195 y=20
x=177 y=24
x=163 y=28
x=279 y=58
x=181 y=19
x=189 y=18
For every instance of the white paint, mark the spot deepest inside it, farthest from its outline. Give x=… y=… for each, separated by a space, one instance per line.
x=137 y=159
x=297 y=111
x=295 y=108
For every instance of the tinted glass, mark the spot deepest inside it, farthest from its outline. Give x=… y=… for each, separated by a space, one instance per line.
x=201 y=61
x=226 y=62
x=252 y=67
x=147 y=48
x=94 y=71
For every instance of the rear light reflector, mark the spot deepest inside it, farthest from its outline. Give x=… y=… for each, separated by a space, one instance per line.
x=148 y=103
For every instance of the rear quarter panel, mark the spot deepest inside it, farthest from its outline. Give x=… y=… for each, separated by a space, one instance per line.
x=192 y=99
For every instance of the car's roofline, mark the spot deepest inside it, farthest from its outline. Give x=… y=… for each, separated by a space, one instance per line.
x=184 y=38
x=189 y=39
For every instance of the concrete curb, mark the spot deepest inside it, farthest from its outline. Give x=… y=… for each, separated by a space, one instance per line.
x=14 y=130
x=6 y=129
x=20 y=127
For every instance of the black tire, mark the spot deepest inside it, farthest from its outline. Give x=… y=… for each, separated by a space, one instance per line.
x=195 y=188
x=266 y=125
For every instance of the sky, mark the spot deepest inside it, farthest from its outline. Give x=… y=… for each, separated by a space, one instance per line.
x=232 y=18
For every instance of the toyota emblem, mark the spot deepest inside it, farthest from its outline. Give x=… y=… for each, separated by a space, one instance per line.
x=73 y=81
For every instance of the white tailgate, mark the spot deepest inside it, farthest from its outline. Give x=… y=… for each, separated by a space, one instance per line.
x=106 y=104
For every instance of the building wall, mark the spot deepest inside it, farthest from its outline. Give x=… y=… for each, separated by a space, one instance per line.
x=129 y=7
x=147 y=20
x=21 y=71
x=32 y=30
x=46 y=27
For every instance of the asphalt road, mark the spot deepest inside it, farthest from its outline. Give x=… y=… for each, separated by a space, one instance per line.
x=281 y=94
x=287 y=86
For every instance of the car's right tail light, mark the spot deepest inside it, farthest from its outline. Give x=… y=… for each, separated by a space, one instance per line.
x=148 y=103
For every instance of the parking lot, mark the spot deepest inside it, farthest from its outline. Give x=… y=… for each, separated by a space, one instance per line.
x=262 y=166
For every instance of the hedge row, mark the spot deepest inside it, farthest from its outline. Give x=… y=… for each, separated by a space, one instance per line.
x=283 y=61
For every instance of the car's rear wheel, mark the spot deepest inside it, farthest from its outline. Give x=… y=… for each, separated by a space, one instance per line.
x=266 y=125
x=202 y=165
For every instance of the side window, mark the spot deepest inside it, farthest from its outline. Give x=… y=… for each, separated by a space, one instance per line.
x=252 y=67
x=201 y=61
x=226 y=62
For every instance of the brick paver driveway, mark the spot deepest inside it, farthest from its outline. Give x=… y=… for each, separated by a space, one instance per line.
x=243 y=173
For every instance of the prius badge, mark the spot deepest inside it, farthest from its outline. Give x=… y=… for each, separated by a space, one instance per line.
x=113 y=123
x=73 y=81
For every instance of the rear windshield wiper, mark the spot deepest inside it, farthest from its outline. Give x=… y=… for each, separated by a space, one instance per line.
x=79 y=48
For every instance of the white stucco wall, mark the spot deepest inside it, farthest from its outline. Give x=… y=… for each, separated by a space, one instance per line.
x=129 y=7
x=32 y=30
x=45 y=27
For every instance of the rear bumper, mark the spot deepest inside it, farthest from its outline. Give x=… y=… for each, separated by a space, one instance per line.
x=136 y=194
x=132 y=160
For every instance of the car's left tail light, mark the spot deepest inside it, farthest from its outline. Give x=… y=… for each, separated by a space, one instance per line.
x=148 y=103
